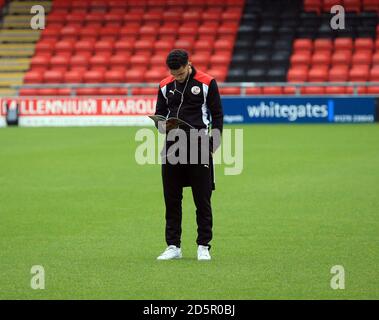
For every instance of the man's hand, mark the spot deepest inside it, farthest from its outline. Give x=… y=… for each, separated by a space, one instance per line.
x=166 y=126
x=171 y=124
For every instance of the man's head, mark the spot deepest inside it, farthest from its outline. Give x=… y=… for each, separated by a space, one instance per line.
x=177 y=62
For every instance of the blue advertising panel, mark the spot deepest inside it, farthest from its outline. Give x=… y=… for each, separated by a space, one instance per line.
x=298 y=110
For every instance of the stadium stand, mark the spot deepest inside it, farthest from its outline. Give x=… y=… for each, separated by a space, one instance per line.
x=127 y=41
x=293 y=41
x=260 y=43
x=17 y=41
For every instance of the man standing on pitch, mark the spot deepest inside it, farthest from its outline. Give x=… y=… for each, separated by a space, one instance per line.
x=193 y=97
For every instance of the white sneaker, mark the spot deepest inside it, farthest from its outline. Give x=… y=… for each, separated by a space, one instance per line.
x=172 y=252
x=203 y=253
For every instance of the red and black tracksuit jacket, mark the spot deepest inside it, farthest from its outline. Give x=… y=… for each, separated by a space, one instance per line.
x=201 y=100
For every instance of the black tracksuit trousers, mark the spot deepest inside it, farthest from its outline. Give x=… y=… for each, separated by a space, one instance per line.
x=200 y=178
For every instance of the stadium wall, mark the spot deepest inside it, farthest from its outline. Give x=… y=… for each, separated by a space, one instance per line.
x=123 y=111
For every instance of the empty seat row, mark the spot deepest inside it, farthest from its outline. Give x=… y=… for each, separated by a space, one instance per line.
x=119 y=75
x=336 y=44
x=142 y=17
x=349 y=5
x=334 y=74
x=98 y=4
x=340 y=57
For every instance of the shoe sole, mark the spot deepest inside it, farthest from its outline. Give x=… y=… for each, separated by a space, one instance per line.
x=174 y=258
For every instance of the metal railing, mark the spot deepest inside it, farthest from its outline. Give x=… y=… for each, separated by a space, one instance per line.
x=242 y=85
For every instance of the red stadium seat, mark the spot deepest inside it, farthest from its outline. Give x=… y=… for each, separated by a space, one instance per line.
x=374 y=74
x=28 y=92
x=364 y=44
x=200 y=58
x=318 y=74
x=321 y=58
x=313 y=90
x=45 y=46
x=375 y=58
x=94 y=17
x=84 y=46
x=80 y=61
x=203 y=46
x=191 y=16
x=230 y=16
x=64 y=46
x=73 y=76
x=155 y=75
x=230 y=91
x=328 y=4
x=186 y=44
x=89 y=33
x=33 y=77
x=109 y=33
x=343 y=44
x=100 y=59
x=144 y=91
x=226 y=31
x=372 y=90
x=220 y=60
x=303 y=45
x=290 y=90
x=253 y=91
x=359 y=73
x=302 y=58
x=148 y=32
x=87 y=91
x=323 y=45
x=187 y=32
x=272 y=90
x=135 y=75
x=339 y=73
x=371 y=5
x=48 y=91
x=139 y=60
x=352 y=5
x=163 y=45
x=40 y=61
x=335 y=90
x=115 y=76
x=210 y=16
x=50 y=33
x=362 y=58
x=112 y=91
x=93 y=76
x=341 y=57
x=223 y=45
x=59 y=62
x=158 y=60
x=144 y=45
x=297 y=74
x=360 y=90
x=173 y=16
x=69 y=32
x=120 y=60
x=124 y=46
x=104 y=46
x=218 y=73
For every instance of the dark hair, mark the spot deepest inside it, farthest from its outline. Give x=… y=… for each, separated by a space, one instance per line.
x=177 y=58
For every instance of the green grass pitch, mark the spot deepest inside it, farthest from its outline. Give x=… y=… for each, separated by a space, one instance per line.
x=74 y=201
